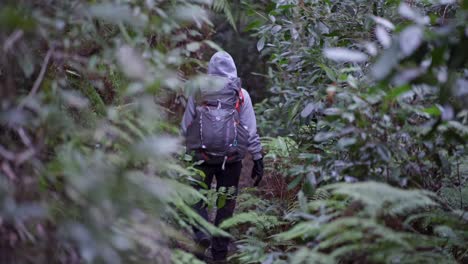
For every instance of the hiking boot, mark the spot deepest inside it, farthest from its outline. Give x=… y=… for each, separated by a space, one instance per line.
x=219 y=258
x=224 y=261
x=203 y=242
x=202 y=239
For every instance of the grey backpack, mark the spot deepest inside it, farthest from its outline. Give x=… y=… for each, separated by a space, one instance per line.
x=216 y=134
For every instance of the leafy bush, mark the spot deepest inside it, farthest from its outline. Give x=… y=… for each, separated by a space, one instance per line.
x=88 y=155
x=366 y=128
x=370 y=91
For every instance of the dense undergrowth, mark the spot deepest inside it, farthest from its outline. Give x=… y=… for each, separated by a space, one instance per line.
x=88 y=155
x=369 y=124
x=365 y=126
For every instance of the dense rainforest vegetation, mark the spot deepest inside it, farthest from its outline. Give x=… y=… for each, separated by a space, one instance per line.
x=362 y=106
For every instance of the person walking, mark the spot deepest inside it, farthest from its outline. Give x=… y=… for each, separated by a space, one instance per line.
x=220 y=127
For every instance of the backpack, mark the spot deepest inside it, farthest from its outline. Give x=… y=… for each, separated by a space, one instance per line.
x=216 y=135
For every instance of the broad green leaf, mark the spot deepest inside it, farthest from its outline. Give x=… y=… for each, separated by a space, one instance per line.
x=345 y=142
x=276 y=29
x=407 y=12
x=383 y=22
x=213 y=45
x=344 y=55
x=385 y=63
x=221 y=202
x=332 y=111
x=131 y=63
x=324 y=136
x=395 y=92
x=193 y=46
x=329 y=72
x=308 y=110
x=371 y=48
x=294 y=183
x=433 y=111
x=383 y=36
x=116 y=13
x=261 y=43
x=410 y=39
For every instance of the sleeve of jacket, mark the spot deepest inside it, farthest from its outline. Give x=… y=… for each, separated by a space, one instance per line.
x=189 y=115
x=247 y=118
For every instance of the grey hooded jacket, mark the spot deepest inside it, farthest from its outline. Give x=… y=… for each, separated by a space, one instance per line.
x=222 y=65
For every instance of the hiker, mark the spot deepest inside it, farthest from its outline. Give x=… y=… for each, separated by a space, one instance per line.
x=220 y=127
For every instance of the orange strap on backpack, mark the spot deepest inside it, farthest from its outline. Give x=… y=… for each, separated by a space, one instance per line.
x=240 y=102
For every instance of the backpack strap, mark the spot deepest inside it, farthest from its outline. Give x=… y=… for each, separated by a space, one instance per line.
x=240 y=101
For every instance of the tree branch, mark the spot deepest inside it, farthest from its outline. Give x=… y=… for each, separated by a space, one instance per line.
x=39 y=78
x=12 y=39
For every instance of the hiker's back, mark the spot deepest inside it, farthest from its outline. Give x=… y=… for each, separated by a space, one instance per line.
x=216 y=134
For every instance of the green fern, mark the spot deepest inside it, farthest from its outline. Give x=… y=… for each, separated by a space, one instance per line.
x=251 y=250
x=421 y=257
x=437 y=217
x=306 y=256
x=364 y=234
x=279 y=147
x=354 y=229
x=223 y=6
x=455 y=197
x=182 y=257
x=195 y=219
x=303 y=230
x=382 y=198
x=260 y=220
x=248 y=200
x=321 y=194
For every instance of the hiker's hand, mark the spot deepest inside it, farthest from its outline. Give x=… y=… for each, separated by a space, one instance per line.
x=257 y=171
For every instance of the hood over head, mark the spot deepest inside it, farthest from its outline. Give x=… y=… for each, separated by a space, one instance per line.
x=222 y=64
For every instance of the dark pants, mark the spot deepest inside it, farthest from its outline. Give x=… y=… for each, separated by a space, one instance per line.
x=229 y=177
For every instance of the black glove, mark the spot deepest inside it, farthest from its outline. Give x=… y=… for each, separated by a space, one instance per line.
x=257 y=171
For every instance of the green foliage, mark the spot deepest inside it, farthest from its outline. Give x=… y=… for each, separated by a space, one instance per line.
x=366 y=129
x=88 y=150
x=279 y=147
x=358 y=121
x=181 y=257
x=383 y=199
x=369 y=92
x=455 y=197
x=366 y=228
x=260 y=221
x=223 y=6
x=304 y=255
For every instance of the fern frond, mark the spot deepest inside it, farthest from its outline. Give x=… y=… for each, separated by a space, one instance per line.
x=247 y=200
x=223 y=6
x=303 y=230
x=182 y=257
x=196 y=220
x=321 y=194
x=437 y=217
x=380 y=197
x=454 y=196
x=279 y=146
x=305 y=255
x=251 y=250
x=421 y=257
x=352 y=229
x=259 y=220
